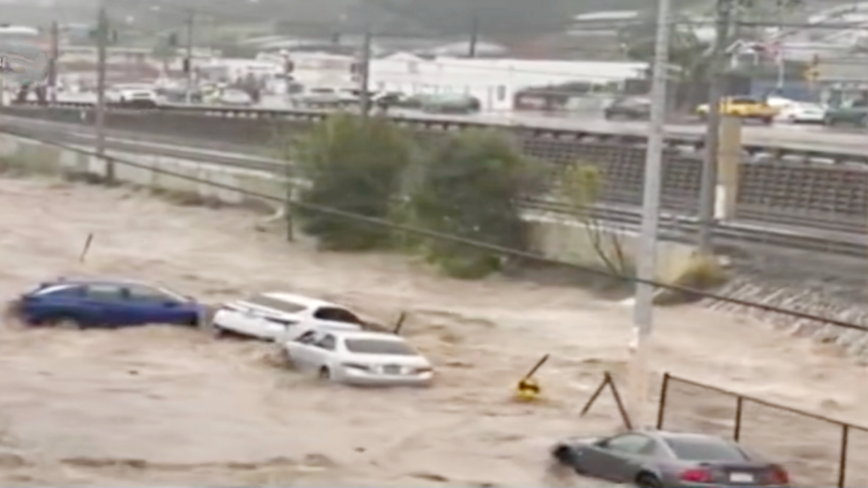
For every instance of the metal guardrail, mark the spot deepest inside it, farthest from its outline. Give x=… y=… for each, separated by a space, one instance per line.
x=673 y=226
x=538 y=127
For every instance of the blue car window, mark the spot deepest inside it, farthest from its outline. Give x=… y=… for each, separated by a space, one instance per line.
x=141 y=293
x=104 y=292
x=58 y=291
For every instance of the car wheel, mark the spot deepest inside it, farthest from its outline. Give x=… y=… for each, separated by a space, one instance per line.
x=647 y=480
x=767 y=120
x=68 y=323
x=325 y=374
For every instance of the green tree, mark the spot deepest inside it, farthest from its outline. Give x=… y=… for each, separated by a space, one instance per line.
x=354 y=165
x=469 y=188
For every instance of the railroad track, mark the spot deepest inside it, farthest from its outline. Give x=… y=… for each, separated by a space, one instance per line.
x=672 y=227
x=854 y=151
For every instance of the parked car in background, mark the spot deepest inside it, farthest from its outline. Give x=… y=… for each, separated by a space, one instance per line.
x=629 y=108
x=134 y=95
x=234 y=97
x=102 y=303
x=359 y=358
x=282 y=316
x=179 y=95
x=416 y=101
x=386 y=100
x=744 y=107
x=657 y=459
x=453 y=103
x=854 y=112
x=321 y=96
x=802 y=113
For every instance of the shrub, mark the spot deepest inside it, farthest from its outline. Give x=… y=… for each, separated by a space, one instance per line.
x=701 y=273
x=354 y=165
x=580 y=186
x=468 y=187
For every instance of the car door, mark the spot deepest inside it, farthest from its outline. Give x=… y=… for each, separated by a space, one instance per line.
x=300 y=350
x=103 y=305
x=617 y=457
x=149 y=305
x=322 y=350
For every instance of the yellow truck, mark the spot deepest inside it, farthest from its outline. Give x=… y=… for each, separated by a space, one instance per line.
x=743 y=107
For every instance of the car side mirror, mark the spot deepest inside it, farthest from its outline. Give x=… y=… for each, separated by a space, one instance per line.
x=603 y=444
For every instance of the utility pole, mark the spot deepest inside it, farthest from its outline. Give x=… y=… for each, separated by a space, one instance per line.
x=188 y=60
x=102 y=37
x=708 y=185
x=365 y=75
x=643 y=312
x=52 y=62
x=780 y=58
x=474 y=36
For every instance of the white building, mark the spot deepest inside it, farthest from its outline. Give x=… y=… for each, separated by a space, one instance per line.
x=494 y=82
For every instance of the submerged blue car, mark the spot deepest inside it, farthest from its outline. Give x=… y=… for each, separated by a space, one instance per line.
x=106 y=304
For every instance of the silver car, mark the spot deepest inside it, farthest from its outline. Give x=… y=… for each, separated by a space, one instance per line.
x=359 y=358
x=656 y=459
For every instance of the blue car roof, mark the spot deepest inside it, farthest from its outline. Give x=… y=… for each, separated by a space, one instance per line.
x=84 y=281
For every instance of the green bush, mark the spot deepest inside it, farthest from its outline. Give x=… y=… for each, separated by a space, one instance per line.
x=354 y=165
x=468 y=188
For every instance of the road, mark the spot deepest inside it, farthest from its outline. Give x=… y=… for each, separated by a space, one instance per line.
x=800 y=137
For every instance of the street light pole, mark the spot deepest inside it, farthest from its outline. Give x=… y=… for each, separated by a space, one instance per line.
x=708 y=183
x=643 y=312
x=188 y=64
x=365 y=75
x=102 y=33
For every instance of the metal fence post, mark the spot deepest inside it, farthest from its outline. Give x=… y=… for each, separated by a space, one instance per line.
x=661 y=404
x=842 y=460
x=739 y=408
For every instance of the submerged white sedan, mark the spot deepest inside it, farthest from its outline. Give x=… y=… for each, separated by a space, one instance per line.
x=360 y=358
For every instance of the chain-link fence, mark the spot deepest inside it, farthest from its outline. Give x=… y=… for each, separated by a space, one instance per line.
x=817 y=450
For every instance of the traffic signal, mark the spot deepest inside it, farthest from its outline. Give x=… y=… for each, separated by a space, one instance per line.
x=186 y=64
x=172 y=41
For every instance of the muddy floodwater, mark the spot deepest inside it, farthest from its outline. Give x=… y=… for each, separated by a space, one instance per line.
x=161 y=406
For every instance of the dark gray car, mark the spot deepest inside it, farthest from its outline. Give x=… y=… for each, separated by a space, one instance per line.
x=631 y=108
x=667 y=459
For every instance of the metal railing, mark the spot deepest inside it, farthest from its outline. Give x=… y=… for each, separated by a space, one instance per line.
x=815 y=448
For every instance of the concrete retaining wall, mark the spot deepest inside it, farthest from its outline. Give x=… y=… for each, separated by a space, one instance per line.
x=553 y=237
